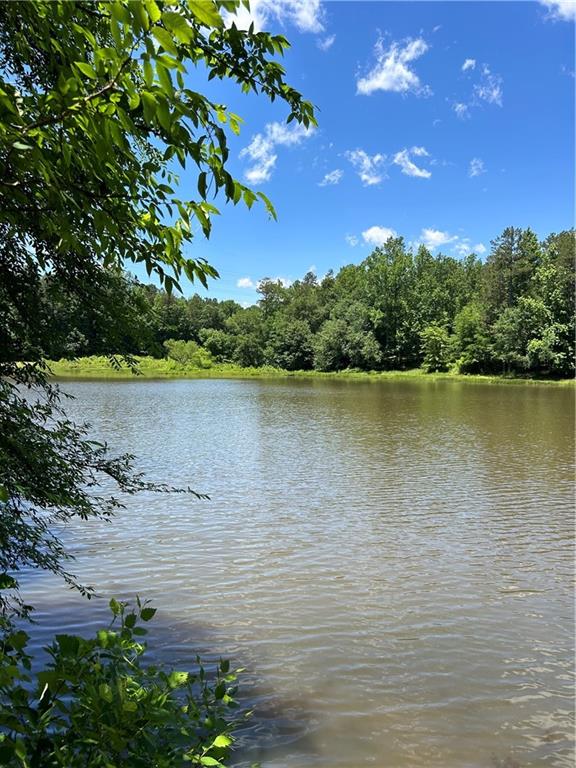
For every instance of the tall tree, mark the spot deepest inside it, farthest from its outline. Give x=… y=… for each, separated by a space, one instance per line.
x=97 y=108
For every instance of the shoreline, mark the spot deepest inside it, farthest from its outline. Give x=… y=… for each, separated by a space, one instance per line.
x=99 y=368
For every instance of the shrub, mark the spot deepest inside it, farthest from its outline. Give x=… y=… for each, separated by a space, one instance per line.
x=96 y=705
x=188 y=353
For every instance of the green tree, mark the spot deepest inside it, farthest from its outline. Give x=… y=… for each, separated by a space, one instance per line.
x=290 y=344
x=99 y=103
x=436 y=348
x=220 y=344
x=510 y=266
x=515 y=328
x=472 y=343
x=188 y=353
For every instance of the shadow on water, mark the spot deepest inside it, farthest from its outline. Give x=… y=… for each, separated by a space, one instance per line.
x=277 y=724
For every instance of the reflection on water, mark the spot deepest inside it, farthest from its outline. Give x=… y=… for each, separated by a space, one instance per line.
x=391 y=561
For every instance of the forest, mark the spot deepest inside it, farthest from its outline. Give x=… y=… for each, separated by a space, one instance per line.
x=399 y=309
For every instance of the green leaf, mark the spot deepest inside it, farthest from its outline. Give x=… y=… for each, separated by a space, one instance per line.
x=206 y=760
x=18 y=640
x=222 y=741
x=165 y=39
x=176 y=679
x=224 y=666
x=202 y=184
x=86 y=69
x=7 y=582
x=105 y=692
x=147 y=613
x=178 y=25
x=148 y=73
x=68 y=644
x=115 y=606
x=130 y=620
x=153 y=10
x=206 y=12
x=4 y=495
x=22 y=147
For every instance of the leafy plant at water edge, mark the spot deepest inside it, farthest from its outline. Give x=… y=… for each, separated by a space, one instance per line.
x=98 y=705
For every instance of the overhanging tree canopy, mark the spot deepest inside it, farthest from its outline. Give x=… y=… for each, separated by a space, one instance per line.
x=96 y=114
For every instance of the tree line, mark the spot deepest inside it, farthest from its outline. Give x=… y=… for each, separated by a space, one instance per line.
x=400 y=308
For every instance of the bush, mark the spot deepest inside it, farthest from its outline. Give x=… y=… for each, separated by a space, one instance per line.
x=436 y=348
x=97 y=706
x=188 y=353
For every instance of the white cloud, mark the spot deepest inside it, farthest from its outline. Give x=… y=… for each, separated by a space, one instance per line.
x=378 y=235
x=409 y=168
x=564 y=10
x=476 y=167
x=305 y=15
x=245 y=282
x=352 y=240
x=463 y=248
x=369 y=168
x=461 y=110
x=261 y=149
x=284 y=281
x=468 y=64
x=392 y=72
x=433 y=238
x=331 y=178
x=489 y=88
x=486 y=90
x=324 y=43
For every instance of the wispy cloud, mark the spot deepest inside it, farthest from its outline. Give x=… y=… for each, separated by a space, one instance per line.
x=468 y=64
x=461 y=110
x=378 y=235
x=434 y=238
x=563 y=10
x=352 y=240
x=476 y=167
x=325 y=43
x=286 y=282
x=488 y=89
x=261 y=149
x=408 y=166
x=305 y=15
x=464 y=248
x=369 y=168
x=392 y=70
x=245 y=282
x=331 y=178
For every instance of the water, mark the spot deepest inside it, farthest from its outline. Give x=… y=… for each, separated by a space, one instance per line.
x=390 y=561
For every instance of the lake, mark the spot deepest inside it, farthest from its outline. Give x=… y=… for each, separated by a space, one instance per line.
x=390 y=561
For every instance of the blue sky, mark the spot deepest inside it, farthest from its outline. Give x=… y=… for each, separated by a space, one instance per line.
x=443 y=122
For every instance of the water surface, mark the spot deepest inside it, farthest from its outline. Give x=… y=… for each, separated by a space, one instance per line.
x=391 y=561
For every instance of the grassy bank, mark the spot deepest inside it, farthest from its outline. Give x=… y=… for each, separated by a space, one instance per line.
x=150 y=368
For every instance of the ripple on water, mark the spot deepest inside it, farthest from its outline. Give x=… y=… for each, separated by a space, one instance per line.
x=391 y=562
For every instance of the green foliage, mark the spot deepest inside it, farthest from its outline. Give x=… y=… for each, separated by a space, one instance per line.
x=290 y=344
x=100 y=105
x=471 y=339
x=96 y=109
x=188 y=353
x=98 y=704
x=376 y=316
x=436 y=348
x=220 y=344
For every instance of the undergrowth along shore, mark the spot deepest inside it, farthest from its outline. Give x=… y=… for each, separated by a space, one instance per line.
x=99 y=367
